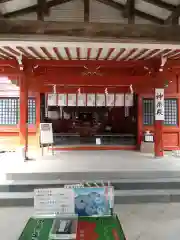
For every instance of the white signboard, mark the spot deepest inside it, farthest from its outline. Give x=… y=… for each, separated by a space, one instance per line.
x=119 y=100
x=91 y=100
x=62 y=100
x=98 y=141
x=81 y=100
x=129 y=100
x=100 y=100
x=52 y=99
x=110 y=100
x=159 y=104
x=46 y=133
x=72 y=99
x=54 y=201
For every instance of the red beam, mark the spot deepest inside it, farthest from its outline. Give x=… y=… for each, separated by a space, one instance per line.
x=84 y=89
x=90 y=81
x=81 y=63
x=8 y=63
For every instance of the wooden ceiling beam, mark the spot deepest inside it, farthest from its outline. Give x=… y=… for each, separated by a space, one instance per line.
x=121 y=7
x=34 y=8
x=129 y=11
x=42 y=9
x=162 y=4
x=174 y=17
x=86 y=10
x=95 y=31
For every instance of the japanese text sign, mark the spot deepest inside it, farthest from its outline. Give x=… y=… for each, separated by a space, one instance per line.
x=159 y=104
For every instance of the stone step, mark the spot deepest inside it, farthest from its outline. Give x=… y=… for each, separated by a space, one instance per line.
x=119 y=184
x=90 y=176
x=14 y=199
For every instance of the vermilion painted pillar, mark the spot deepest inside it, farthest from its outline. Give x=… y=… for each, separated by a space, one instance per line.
x=23 y=123
x=38 y=116
x=158 y=138
x=158 y=124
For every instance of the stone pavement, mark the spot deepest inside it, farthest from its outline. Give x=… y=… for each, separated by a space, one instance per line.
x=140 y=222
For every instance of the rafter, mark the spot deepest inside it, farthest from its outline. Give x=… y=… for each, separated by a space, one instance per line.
x=42 y=9
x=86 y=10
x=138 y=13
x=174 y=17
x=130 y=10
x=162 y=4
x=92 y=31
x=34 y=8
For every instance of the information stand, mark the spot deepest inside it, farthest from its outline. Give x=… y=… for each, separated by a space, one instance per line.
x=46 y=136
x=79 y=213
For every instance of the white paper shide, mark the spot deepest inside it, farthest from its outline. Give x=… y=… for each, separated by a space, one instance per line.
x=159 y=104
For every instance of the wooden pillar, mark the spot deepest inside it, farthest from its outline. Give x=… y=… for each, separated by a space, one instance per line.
x=23 y=124
x=158 y=124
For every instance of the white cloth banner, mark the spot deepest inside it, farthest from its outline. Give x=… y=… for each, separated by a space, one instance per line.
x=46 y=133
x=129 y=100
x=72 y=100
x=110 y=100
x=62 y=100
x=119 y=100
x=100 y=100
x=91 y=100
x=81 y=100
x=52 y=99
x=159 y=104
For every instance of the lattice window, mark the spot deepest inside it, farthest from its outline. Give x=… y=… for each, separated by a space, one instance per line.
x=170 y=108
x=171 y=112
x=10 y=111
x=148 y=111
x=31 y=111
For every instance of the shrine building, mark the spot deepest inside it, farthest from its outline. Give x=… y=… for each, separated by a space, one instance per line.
x=103 y=85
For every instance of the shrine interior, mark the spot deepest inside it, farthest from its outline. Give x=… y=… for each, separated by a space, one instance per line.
x=92 y=125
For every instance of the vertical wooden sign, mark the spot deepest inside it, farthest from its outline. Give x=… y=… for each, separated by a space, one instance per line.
x=159 y=104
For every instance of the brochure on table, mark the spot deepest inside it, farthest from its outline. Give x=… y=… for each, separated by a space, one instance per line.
x=87 y=201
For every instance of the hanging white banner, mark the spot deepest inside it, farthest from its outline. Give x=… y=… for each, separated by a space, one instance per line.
x=91 y=100
x=81 y=100
x=129 y=99
x=52 y=99
x=159 y=104
x=119 y=100
x=110 y=100
x=62 y=100
x=72 y=99
x=100 y=100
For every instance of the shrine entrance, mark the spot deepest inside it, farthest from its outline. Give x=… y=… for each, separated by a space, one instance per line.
x=102 y=119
